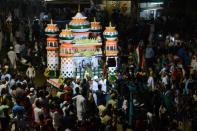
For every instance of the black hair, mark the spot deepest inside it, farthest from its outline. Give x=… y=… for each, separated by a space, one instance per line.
x=41 y=117
x=99 y=86
x=38 y=104
x=77 y=90
x=61 y=87
x=6 y=78
x=3 y=91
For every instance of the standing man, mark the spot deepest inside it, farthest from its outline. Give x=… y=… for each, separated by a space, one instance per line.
x=80 y=105
x=17 y=49
x=103 y=82
x=95 y=88
x=31 y=73
x=12 y=57
x=149 y=55
x=76 y=83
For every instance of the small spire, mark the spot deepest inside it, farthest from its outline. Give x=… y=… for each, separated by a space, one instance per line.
x=67 y=26
x=51 y=21
x=110 y=24
x=94 y=19
x=79 y=7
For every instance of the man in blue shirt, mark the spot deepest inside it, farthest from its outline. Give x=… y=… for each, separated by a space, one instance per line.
x=18 y=109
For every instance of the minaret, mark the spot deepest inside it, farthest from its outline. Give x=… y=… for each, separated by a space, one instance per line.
x=96 y=27
x=66 y=53
x=96 y=30
x=52 y=49
x=111 y=34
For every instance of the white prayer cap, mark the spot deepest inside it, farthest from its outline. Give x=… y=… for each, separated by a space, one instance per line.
x=65 y=102
x=31 y=89
x=132 y=66
x=77 y=77
x=95 y=77
x=6 y=66
x=11 y=47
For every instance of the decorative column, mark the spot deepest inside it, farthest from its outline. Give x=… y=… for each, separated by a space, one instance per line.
x=111 y=34
x=96 y=29
x=52 y=49
x=67 y=53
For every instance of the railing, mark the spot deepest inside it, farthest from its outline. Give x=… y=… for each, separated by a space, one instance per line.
x=95 y=72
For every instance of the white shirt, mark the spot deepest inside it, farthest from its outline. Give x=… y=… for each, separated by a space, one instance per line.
x=165 y=80
x=56 y=119
x=31 y=97
x=94 y=61
x=80 y=103
x=17 y=48
x=104 y=85
x=75 y=85
x=150 y=82
x=11 y=84
x=37 y=113
x=12 y=57
x=125 y=105
x=94 y=86
x=31 y=73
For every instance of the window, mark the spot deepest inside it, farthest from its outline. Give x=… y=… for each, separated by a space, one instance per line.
x=111 y=62
x=56 y=44
x=107 y=47
x=115 y=48
x=111 y=48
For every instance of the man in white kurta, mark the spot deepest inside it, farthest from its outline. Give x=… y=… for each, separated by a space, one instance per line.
x=17 y=49
x=95 y=88
x=80 y=105
x=31 y=73
x=150 y=82
x=76 y=84
x=103 y=82
x=12 y=57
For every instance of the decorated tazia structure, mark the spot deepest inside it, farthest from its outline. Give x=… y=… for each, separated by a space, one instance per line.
x=77 y=49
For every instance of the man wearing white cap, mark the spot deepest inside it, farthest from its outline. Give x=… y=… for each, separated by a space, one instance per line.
x=103 y=82
x=18 y=49
x=95 y=88
x=31 y=95
x=76 y=83
x=12 y=57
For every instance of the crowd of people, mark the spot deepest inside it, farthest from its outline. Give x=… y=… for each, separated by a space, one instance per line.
x=153 y=89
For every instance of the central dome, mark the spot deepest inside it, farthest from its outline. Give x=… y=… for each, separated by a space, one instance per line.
x=79 y=23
